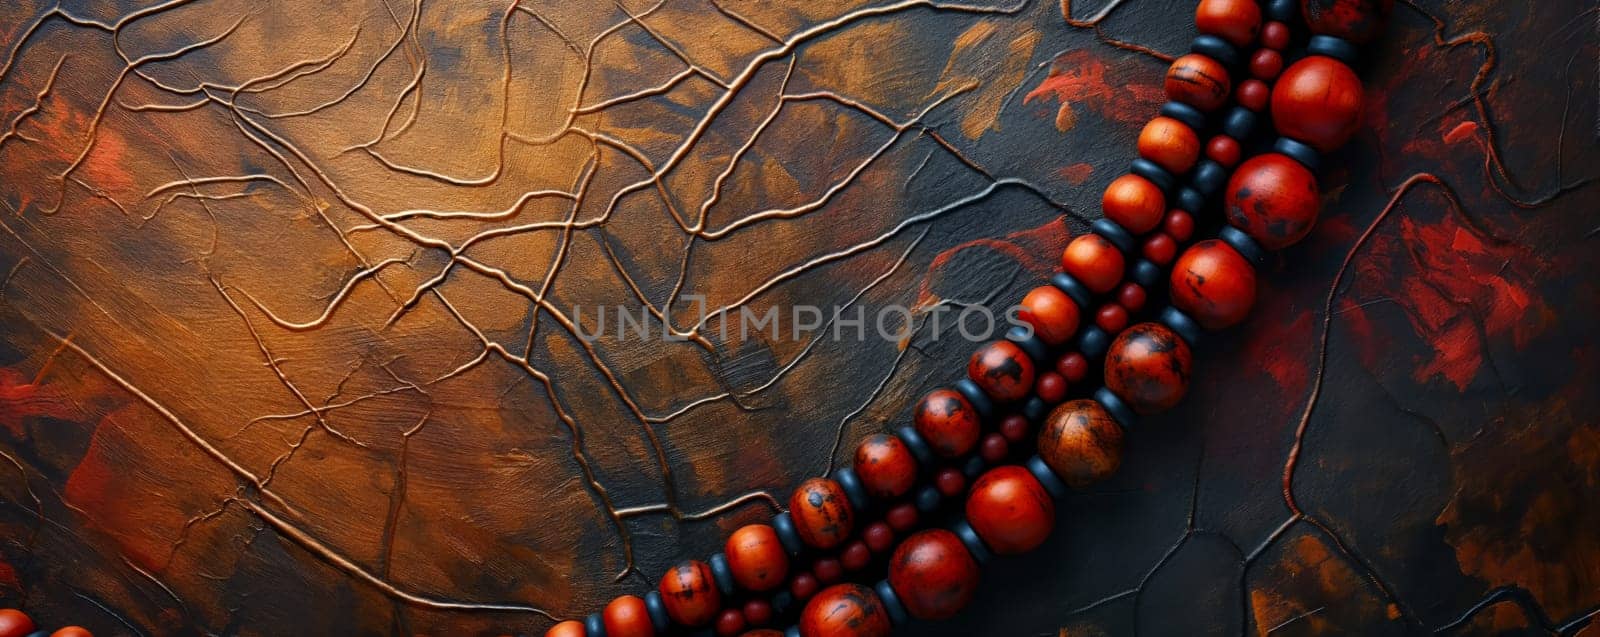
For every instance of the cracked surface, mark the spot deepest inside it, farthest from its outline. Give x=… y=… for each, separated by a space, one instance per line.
x=290 y=340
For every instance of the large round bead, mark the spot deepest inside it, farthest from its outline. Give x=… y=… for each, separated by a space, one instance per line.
x=947 y=422
x=1003 y=370
x=1010 y=510
x=1171 y=144
x=690 y=594
x=1358 y=21
x=569 y=628
x=933 y=574
x=1198 y=81
x=1135 y=203
x=1053 y=314
x=1317 y=101
x=1081 y=443
x=1214 y=284
x=72 y=631
x=1273 y=199
x=1148 y=368
x=845 y=610
x=885 y=466
x=1237 y=21
x=821 y=513
x=756 y=557
x=1094 y=261
x=14 y=623
x=627 y=616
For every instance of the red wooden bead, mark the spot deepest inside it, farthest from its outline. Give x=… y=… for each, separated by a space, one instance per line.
x=1010 y=510
x=1112 y=318
x=758 y=612
x=1131 y=296
x=1254 y=94
x=828 y=570
x=756 y=558
x=1148 y=368
x=1133 y=202
x=15 y=623
x=569 y=628
x=1160 y=248
x=1180 y=224
x=1223 y=150
x=1358 y=21
x=1273 y=199
x=994 y=448
x=1318 y=101
x=902 y=518
x=690 y=594
x=1236 y=21
x=1213 y=284
x=1003 y=370
x=1073 y=366
x=1051 y=387
x=1169 y=143
x=1094 y=261
x=846 y=610
x=950 y=482
x=878 y=536
x=886 y=467
x=947 y=422
x=1081 y=443
x=821 y=513
x=729 y=624
x=1275 y=35
x=1198 y=81
x=803 y=586
x=855 y=556
x=1015 y=426
x=627 y=616
x=933 y=574
x=1051 y=312
x=1266 y=64
x=72 y=631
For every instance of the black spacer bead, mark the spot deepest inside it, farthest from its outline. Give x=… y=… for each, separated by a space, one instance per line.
x=1299 y=151
x=1093 y=341
x=1073 y=289
x=891 y=603
x=917 y=445
x=976 y=397
x=1186 y=328
x=853 y=490
x=1035 y=409
x=1242 y=244
x=38 y=633
x=969 y=537
x=1027 y=339
x=1191 y=201
x=1146 y=274
x=1282 y=10
x=928 y=499
x=974 y=467
x=722 y=573
x=1153 y=172
x=793 y=631
x=1337 y=48
x=657 y=609
x=781 y=603
x=594 y=625
x=1047 y=477
x=1189 y=115
x=787 y=535
x=1239 y=123
x=1217 y=49
x=1114 y=233
x=1209 y=178
x=1119 y=410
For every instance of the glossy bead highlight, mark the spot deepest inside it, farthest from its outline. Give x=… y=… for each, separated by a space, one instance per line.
x=1010 y=510
x=947 y=422
x=690 y=594
x=1198 y=81
x=933 y=574
x=1148 y=368
x=756 y=557
x=1081 y=443
x=1003 y=370
x=1318 y=101
x=845 y=610
x=885 y=465
x=1273 y=199
x=1213 y=284
x=822 y=514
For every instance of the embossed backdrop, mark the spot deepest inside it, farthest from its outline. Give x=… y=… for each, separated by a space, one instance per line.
x=289 y=342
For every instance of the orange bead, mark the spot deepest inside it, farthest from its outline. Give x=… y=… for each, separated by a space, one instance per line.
x=14 y=623
x=947 y=422
x=1010 y=510
x=627 y=616
x=1003 y=370
x=845 y=610
x=1051 y=312
x=1148 y=368
x=567 y=628
x=1274 y=199
x=821 y=513
x=1081 y=443
x=1135 y=203
x=72 y=631
x=1236 y=21
x=1318 y=101
x=1198 y=81
x=756 y=557
x=1213 y=284
x=885 y=466
x=1169 y=143
x=690 y=594
x=1093 y=261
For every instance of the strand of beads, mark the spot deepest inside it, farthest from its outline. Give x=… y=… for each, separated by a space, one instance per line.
x=15 y=623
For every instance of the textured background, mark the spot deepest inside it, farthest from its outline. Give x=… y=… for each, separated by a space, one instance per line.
x=288 y=343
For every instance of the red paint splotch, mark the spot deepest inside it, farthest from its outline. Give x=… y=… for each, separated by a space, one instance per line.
x=1037 y=250
x=21 y=399
x=1119 y=91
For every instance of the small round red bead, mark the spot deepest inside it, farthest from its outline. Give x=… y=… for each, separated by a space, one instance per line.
x=994 y=448
x=855 y=556
x=757 y=612
x=902 y=517
x=1254 y=94
x=878 y=536
x=1015 y=427
x=1160 y=248
x=950 y=482
x=1180 y=224
x=1131 y=296
x=1073 y=366
x=1266 y=64
x=1275 y=35
x=1112 y=318
x=1223 y=150
x=1051 y=387
x=828 y=570
x=729 y=624
x=803 y=586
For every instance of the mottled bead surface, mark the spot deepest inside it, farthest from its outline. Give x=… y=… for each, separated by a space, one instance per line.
x=933 y=574
x=1236 y=21
x=756 y=558
x=1094 y=261
x=1010 y=510
x=569 y=628
x=947 y=422
x=1169 y=143
x=1274 y=199
x=1358 y=21
x=1081 y=443
x=1135 y=203
x=627 y=616
x=72 y=631
x=1003 y=370
x=690 y=594
x=1148 y=368
x=885 y=466
x=1213 y=284
x=1053 y=314
x=1198 y=81
x=14 y=623
x=845 y=610
x=821 y=512
x=1318 y=100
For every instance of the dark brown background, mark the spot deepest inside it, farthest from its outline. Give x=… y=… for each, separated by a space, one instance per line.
x=288 y=295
